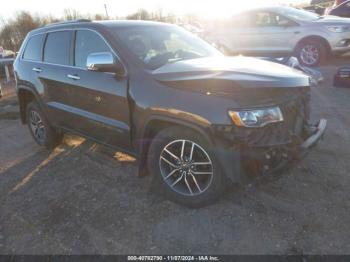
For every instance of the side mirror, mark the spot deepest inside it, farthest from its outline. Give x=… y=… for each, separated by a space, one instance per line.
x=105 y=62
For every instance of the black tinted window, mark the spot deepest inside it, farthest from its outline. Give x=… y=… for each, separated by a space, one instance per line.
x=57 y=48
x=88 y=42
x=33 y=50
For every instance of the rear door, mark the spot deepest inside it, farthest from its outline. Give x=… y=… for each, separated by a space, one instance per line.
x=57 y=58
x=30 y=68
x=99 y=100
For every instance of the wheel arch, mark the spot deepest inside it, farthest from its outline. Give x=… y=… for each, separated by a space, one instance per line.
x=154 y=125
x=25 y=96
x=228 y=158
x=323 y=40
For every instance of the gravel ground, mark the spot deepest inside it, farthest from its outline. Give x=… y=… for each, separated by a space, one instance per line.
x=85 y=199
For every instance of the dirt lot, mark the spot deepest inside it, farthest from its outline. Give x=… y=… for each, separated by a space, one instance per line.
x=86 y=199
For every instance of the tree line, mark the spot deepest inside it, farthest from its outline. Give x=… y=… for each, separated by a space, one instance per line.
x=14 y=30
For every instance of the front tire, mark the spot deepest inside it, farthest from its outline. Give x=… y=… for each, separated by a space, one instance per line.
x=311 y=53
x=184 y=166
x=40 y=129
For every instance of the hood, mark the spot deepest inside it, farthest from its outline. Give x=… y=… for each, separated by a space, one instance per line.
x=225 y=73
x=333 y=20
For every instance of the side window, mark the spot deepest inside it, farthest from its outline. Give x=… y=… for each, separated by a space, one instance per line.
x=284 y=21
x=58 y=48
x=263 y=19
x=87 y=42
x=34 y=47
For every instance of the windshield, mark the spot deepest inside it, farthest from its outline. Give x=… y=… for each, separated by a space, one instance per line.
x=298 y=14
x=156 y=46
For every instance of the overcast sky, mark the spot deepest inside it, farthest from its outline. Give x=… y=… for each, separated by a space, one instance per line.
x=207 y=8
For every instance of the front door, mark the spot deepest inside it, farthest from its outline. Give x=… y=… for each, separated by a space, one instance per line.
x=272 y=33
x=99 y=102
x=237 y=35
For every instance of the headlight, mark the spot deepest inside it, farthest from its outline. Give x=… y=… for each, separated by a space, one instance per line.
x=338 y=28
x=256 y=118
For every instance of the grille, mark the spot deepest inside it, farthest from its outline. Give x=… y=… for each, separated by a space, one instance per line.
x=296 y=114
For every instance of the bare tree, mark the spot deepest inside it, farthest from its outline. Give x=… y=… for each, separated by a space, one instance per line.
x=141 y=14
x=14 y=31
x=71 y=14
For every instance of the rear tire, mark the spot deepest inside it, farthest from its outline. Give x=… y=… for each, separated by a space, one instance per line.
x=200 y=180
x=41 y=130
x=311 y=53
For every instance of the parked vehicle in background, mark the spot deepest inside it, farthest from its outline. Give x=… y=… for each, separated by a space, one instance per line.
x=192 y=117
x=6 y=68
x=333 y=5
x=342 y=10
x=342 y=77
x=284 y=31
x=317 y=9
x=6 y=53
x=315 y=75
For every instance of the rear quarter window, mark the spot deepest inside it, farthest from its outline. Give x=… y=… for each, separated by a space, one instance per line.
x=34 y=47
x=58 y=48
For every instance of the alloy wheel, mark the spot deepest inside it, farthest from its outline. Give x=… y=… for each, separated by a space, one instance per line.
x=309 y=54
x=186 y=167
x=37 y=126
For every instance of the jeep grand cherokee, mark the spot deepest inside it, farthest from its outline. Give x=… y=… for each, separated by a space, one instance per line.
x=193 y=118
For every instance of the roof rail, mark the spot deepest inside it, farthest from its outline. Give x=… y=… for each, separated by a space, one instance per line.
x=69 y=22
x=83 y=20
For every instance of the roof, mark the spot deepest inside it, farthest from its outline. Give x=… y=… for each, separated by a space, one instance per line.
x=273 y=8
x=128 y=23
x=99 y=23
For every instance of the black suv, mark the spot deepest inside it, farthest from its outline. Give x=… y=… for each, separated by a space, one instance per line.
x=193 y=118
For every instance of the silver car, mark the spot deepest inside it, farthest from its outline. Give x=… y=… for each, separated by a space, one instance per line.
x=284 y=30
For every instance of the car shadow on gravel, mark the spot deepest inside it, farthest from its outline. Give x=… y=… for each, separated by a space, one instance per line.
x=66 y=157
x=67 y=190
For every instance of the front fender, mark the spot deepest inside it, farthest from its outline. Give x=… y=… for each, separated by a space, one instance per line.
x=227 y=156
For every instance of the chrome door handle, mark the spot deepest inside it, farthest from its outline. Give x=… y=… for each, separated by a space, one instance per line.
x=36 y=69
x=74 y=77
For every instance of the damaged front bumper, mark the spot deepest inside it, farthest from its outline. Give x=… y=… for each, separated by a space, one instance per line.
x=250 y=152
x=315 y=136
x=244 y=160
x=265 y=160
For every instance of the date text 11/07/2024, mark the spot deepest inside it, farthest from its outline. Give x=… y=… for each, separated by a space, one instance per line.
x=173 y=258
